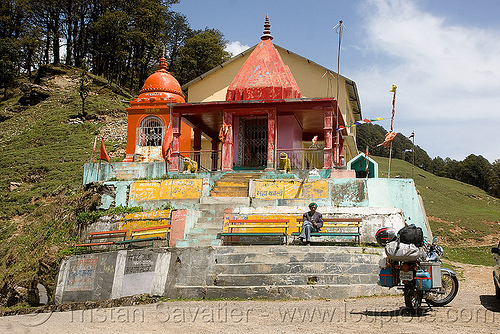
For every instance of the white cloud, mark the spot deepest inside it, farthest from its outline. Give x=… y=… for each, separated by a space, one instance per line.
x=446 y=74
x=235 y=48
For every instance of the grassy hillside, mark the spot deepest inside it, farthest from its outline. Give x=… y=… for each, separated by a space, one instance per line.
x=465 y=218
x=41 y=196
x=43 y=152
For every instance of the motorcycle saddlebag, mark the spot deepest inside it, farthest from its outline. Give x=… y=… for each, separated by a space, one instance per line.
x=386 y=278
x=399 y=251
x=411 y=234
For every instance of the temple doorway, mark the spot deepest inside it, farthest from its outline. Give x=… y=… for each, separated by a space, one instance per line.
x=252 y=143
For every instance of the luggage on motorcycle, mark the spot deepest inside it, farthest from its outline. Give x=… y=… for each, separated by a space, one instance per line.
x=385 y=235
x=386 y=277
x=423 y=280
x=399 y=251
x=411 y=234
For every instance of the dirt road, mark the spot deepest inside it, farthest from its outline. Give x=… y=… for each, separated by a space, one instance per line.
x=474 y=310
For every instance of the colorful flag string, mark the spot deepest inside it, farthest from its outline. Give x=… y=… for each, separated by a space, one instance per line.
x=366 y=120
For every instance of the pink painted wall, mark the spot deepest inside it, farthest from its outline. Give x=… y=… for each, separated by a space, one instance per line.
x=178 y=222
x=236 y=131
x=290 y=136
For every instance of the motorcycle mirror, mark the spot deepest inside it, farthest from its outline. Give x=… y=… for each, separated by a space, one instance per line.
x=434 y=241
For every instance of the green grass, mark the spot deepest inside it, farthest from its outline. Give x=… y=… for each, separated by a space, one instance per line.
x=478 y=255
x=456 y=210
x=45 y=154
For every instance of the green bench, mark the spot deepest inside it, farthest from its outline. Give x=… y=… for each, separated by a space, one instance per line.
x=238 y=228
x=344 y=227
x=116 y=234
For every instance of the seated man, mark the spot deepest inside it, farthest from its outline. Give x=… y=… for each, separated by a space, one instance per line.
x=312 y=221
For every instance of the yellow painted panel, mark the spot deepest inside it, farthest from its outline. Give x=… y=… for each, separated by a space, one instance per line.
x=145 y=219
x=269 y=189
x=145 y=190
x=166 y=189
x=316 y=189
x=186 y=188
x=292 y=189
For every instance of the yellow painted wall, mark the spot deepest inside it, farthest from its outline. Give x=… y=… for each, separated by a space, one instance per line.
x=290 y=189
x=166 y=189
x=145 y=219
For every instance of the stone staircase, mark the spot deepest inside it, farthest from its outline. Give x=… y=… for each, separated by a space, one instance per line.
x=284 y=272
x=125 y=172
x=209 y=225
x=233 y=184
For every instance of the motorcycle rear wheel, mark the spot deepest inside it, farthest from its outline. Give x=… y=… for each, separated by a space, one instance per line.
x=413 y=297
x=448 y=291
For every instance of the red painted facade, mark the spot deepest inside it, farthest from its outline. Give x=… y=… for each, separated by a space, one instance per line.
x=263 y=75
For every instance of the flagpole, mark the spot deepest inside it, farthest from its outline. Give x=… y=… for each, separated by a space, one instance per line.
x=338 y=27
x=393 y=89
x=413 y=155
x=169 y=124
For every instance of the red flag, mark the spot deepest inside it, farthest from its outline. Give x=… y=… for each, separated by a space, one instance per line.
x=412 y=135
x=388 y=139
x=167 y=141
x=104 y=155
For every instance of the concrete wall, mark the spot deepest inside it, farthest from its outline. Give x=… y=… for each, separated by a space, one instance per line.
x=122 y=170
x=342 y=193
x=110 y=275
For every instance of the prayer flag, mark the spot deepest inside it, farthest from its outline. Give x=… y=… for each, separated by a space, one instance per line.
x=167 y=141
x=104 y=155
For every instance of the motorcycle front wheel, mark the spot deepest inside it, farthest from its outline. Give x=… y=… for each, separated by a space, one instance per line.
x=413 y=297
x=448 y=291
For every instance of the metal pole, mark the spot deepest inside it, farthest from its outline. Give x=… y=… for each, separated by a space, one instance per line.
x=413 y=157
x=393 y=89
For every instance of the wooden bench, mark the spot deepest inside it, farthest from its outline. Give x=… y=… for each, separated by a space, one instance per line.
x=235 y=227
x=346 y=227
x=116 y=234
x=147 y=231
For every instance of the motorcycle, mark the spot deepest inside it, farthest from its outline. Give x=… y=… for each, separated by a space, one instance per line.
x=417 y=271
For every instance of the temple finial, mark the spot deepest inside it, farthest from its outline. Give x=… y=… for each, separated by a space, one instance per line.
x=163 y=65
x=267 y=30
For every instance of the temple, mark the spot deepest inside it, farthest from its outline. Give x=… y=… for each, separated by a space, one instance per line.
x=264 y=114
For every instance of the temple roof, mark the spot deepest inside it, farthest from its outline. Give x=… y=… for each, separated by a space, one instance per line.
x=160 y=87
x=263 y=75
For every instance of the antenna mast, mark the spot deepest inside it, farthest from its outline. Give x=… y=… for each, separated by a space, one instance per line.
x=338 y=28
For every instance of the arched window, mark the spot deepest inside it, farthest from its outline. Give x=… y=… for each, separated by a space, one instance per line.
x=151 y=131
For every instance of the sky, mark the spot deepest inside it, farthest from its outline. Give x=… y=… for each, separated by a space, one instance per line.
x=444 y=57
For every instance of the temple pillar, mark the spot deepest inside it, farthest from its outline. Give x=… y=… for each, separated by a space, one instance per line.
x=271 y=139
x=328 y=151
x=176 y=129
x=197 y=146
x=215 y=155
x=227 y=142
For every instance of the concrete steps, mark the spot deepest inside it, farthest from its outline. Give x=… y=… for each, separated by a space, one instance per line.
x=233 y=184
x=125 y=172
x=206 y=230
x=282 y=272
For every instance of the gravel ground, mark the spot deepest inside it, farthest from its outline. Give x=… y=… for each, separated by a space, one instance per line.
x=475 y=309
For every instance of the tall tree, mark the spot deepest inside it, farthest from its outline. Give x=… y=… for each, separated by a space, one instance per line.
x=200 y=53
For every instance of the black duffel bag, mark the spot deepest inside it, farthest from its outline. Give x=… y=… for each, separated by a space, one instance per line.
x=411 y=234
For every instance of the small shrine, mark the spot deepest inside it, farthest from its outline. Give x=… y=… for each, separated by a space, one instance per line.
x=149 y=116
